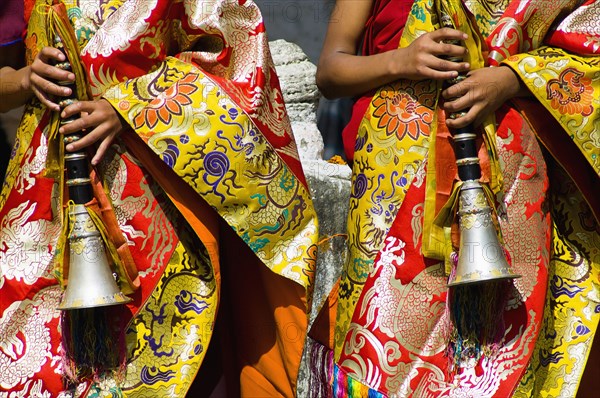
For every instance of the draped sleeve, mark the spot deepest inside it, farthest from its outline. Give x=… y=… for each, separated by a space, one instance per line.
x=557 y=57
x=203 y=95
x=208 y=130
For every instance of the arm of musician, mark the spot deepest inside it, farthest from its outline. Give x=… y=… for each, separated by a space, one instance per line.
x=12 y=77
x=342 y=73
x=12 y=88
x=99 y=119
x=482 y=92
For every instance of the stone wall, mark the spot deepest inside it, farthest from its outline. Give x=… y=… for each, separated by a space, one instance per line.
x=329 y=182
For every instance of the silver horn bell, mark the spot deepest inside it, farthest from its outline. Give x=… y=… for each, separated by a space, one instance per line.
x=481 y=257
x=91 y=282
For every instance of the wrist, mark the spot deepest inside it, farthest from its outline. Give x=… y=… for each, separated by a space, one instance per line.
x=516 y=87
x=24 y=82
x=115 y=114
x=394 y=63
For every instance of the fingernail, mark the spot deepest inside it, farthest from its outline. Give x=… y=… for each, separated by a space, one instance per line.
x=467 y=65
x=69 y=147
x=61 y=57
x=67 y=91
x=465 y=36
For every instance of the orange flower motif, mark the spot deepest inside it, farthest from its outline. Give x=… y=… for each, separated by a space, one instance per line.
x=571 y=93
x=168 y=104
x=31 y=44
x=399 y=113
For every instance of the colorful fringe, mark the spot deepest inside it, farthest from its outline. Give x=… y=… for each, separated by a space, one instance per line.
x=327 y=380
x=345 y=386
x=321 y=370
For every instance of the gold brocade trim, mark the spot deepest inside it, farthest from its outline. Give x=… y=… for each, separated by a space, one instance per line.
x=569 y=88
x=571 y=317
x=168 y=339
x=488 y=13
x=214 y=146
x=377 y=170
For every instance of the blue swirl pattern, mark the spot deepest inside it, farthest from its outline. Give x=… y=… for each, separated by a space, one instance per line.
x=153 y=376
x=216 y=165
x=360 y=186
x=186 y=301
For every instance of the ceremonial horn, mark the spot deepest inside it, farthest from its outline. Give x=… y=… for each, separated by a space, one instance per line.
x=479 y=286
x=481 y=257
x=91 y=282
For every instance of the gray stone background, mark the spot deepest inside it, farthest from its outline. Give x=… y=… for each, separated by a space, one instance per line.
x=329 y=183
x=303 y=22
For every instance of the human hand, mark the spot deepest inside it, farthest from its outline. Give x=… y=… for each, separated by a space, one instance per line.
x=99 y=119
x=425 y=57
x=480 y=94
x=43 y=75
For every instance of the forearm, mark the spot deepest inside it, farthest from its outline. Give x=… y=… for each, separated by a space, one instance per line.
x=13 y=88
x=347 y=75
x=341 y=73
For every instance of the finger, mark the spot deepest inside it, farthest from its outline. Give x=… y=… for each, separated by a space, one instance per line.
x=456 y=105
x=87 y=110
x=75 y=126
x=48 y=54
x=50 y=72
x=73 y=109
x=448 y=34
x=446 y=65
x=45 y=100
x=461 y=119
x=440 y=75
x=449 y=51
x=102 y=149
x=85 y=141
x=48 y=87
x=459 y=89
x=81 y=122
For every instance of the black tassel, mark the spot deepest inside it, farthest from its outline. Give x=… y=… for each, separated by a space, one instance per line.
x=477 y=320
x=92 y=343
